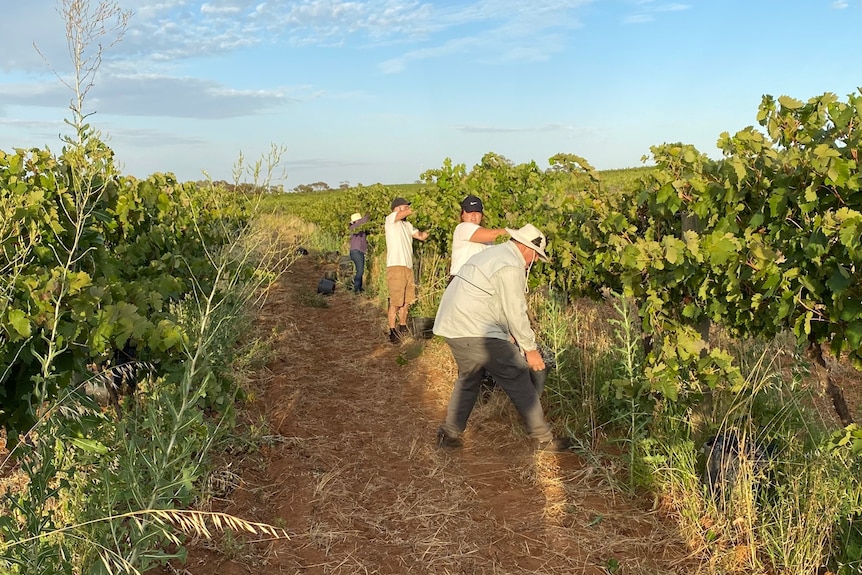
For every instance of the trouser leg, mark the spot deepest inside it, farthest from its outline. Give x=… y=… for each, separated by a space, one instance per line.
x=539 y=378
x=512 y=373
x=470 y=355
x=358 y=259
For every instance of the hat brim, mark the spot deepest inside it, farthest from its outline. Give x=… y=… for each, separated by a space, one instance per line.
x=522 y=239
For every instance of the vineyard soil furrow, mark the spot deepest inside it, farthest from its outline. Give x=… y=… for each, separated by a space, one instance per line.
x=350 y=469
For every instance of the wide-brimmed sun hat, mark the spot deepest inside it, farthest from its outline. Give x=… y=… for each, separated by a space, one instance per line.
x=531 y=237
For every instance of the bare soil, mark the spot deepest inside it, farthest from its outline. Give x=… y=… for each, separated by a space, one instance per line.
x=349 y=468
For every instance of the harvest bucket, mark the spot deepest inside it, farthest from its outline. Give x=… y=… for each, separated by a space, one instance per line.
x=326 y=286
x=539 y=378
x=421 y=327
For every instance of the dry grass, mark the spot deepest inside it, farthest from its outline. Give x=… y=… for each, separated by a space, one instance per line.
x=203 y=523
x=353 y=473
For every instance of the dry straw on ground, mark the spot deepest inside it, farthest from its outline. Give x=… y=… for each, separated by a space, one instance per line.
x=351 y=470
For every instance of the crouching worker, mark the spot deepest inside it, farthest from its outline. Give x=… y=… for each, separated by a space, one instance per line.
x=482 y=310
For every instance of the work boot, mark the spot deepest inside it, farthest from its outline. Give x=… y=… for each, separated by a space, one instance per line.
x=446 y=441
x=393 y=336
x=403 y=332
x=555 y=445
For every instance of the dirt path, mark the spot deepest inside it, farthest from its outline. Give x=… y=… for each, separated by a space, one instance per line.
x=351 y=471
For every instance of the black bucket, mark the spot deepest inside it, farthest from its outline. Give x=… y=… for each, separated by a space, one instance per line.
x=422 y=327
x=539 y=378
x=326 y=286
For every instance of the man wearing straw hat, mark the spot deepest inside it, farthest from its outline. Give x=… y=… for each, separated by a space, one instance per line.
x=358 y=248
x=482 y=311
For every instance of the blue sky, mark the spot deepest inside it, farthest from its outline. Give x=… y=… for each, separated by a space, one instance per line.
x=368 y=91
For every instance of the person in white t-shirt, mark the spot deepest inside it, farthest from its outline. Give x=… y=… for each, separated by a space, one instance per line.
x=469 y=237
x=399 y=266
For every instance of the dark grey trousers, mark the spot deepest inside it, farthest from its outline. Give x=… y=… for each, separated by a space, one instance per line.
x=508 y=368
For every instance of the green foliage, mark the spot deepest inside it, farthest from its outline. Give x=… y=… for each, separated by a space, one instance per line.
x=765 y=239
x=777 y=491
x=95 y=263
x=169 y=268
x=762 y=242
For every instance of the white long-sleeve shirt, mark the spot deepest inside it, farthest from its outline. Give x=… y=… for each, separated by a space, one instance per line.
x=486 y=299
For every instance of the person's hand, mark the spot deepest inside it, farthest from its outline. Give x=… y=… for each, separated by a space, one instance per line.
x=422 y=236
x=534 y=360
x=401 y=213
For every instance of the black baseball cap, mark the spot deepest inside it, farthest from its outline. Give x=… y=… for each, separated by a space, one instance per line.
x=472 y=204
x=399 y=202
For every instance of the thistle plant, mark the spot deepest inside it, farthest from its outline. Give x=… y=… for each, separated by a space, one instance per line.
x=629 y=385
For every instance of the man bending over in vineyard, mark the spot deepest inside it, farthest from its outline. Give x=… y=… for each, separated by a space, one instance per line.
x=399 y=266
x=482 y=310
x=470 y=237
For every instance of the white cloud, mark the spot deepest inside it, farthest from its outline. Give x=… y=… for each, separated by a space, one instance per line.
x=207 y=8
x=647 y=10
x=305 y=163
x=840 y=4
x=460 y=45
x=672 y=7
x=501 y=31
x=512 y=130
x=143 y=137
x=154 y=95
x=165 y=31
x=26 y=23
x=45 y=94
x=638 y=19
x=34 y=126
x=171 y=31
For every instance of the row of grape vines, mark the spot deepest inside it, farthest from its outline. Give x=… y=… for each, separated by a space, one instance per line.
x=94 y=262
x=766 y=239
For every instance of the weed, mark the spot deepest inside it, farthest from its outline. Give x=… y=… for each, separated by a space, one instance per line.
x=432 y=277
x=309 y=298
x=763 y=495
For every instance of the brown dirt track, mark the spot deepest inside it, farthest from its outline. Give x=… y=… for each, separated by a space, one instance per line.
x=348 y=467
